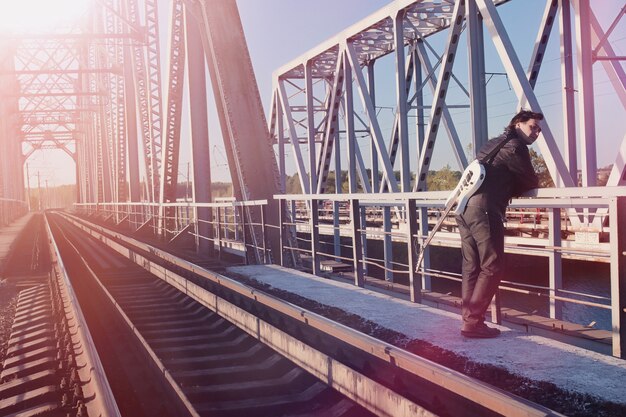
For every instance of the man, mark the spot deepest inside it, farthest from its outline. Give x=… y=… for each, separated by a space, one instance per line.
x=509 y=172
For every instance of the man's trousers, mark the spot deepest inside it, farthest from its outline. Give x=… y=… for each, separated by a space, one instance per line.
x=482 y=247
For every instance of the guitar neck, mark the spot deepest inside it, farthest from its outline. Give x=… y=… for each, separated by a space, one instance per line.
x=431 y=235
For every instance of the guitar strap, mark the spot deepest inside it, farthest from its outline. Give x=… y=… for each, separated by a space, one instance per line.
x=488 y=159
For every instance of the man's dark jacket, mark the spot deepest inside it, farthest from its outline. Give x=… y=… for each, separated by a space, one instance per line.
x=510 y=173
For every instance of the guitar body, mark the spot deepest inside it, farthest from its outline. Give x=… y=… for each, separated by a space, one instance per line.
x=471 y=180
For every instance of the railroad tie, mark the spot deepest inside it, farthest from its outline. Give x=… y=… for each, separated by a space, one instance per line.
x=39 y=373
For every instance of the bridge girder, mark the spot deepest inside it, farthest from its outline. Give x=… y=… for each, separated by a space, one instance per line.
x=403 y=31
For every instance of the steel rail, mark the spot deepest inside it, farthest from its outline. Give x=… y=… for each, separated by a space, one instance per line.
x=97 y=394
x=158 y=297
x=151 y=353
x=475 y=391
x=368 y=393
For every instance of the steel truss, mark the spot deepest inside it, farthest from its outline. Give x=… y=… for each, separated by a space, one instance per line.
x=46 y=114
x=251 y=160
x=314 y=104
x=315 y=110
x=10 y=152
x=77 y=93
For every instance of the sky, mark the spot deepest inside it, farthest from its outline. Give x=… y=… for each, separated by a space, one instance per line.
x=278 y=31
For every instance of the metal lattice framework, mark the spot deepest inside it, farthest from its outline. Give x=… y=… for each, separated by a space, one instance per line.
x=328 y=96
x=77 y=93
x=96 y=94
x=10 y=152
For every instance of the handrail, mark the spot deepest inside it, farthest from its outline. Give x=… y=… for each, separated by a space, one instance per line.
x=12 y=200
x=423 y=197
x=247 y=203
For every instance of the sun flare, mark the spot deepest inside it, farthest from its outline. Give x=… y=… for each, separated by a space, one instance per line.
x=37 y=16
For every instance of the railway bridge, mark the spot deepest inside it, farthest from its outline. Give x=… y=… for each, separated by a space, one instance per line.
x=284 y=281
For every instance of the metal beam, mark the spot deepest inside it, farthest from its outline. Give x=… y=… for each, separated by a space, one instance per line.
x=440 y=96
x=448 y=123
x=310 y=125
x=293 y=136
x=242 y=119
x=174 y=104
x=402 y=86
x=388 y=174
x=331 y=134
x=568 y=97
x=478 y=83
x=198 y=110
x=586 y=115
x=522 y=87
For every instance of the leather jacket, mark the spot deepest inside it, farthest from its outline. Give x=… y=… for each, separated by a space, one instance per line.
x=509 y=173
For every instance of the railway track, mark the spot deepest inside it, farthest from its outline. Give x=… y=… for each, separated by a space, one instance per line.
x=212 y=367
x=198 y=343
x=49 y=365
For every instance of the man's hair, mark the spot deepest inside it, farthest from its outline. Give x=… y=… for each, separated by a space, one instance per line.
x=524 y=116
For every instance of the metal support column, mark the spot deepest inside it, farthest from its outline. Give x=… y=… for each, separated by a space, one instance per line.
x=314 y=223
x=478 y=94
x=199 y=132
x=617 y=213
x=419 y=98
x=338 y=190
x=387 y=244
x=567 y=77
x=349 y=125
x=281 y=147
x=371 y=88
x=131 y=127
x=357 y=250
x=401 y=102
x=555 y=262
x=251 y=158
x=586 y=114
x=415 y=284
x=423 y=227
x=310 y=119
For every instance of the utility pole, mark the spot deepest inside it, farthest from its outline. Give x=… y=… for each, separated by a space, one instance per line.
x=39 y=188
x=47 y=196
x=187 y=187
x=27 y=187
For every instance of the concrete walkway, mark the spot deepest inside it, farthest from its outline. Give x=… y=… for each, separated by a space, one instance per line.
x=8 y=235
x=535 y=357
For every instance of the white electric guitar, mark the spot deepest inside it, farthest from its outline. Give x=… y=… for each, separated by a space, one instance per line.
x=470 y=181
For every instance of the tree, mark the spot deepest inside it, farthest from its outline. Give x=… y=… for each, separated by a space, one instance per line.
x=292 y=184
x=539 y=164
x=444 y=179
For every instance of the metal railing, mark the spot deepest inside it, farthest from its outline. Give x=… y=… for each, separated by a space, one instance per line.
x=223 y=227
x=538 y=225
x=542 y=226
x=11 y=210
